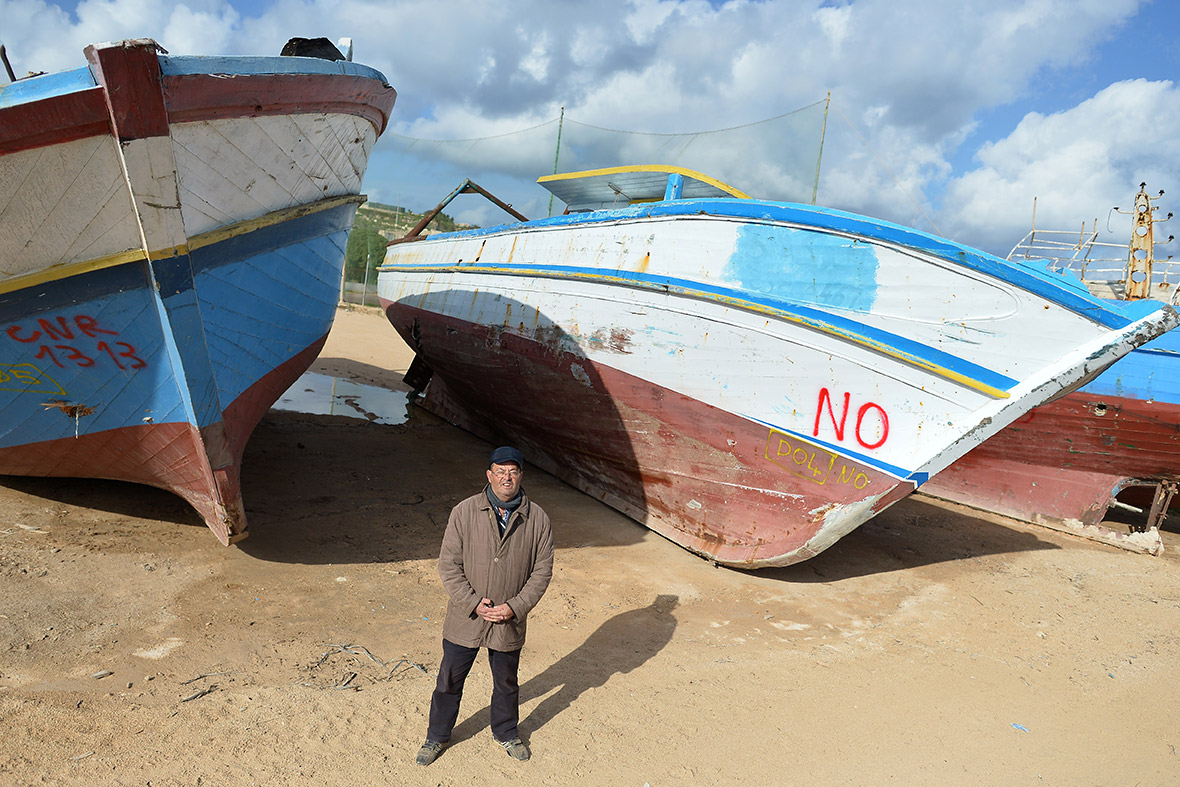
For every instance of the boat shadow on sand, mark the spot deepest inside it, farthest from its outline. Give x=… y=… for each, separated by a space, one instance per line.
x=370 y=493
x=338 y=490
x=914 y=532
x=395 y=508
x=329 y=489
x=122 y=499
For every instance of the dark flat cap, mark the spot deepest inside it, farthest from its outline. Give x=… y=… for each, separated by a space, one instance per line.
x=505 y=454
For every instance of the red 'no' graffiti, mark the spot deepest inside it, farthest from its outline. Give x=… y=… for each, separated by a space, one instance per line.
x=838 y=425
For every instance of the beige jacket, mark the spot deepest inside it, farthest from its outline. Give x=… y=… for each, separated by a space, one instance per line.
x=475 y=562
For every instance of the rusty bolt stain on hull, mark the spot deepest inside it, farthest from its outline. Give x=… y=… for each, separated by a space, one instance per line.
x=70 y=409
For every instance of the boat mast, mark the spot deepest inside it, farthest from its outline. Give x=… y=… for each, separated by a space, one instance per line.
x=556 y=153
x=1141 y=257
x=818 y=159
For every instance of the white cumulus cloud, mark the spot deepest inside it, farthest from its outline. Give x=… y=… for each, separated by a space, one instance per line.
x=909 y=80
x=1077 y=163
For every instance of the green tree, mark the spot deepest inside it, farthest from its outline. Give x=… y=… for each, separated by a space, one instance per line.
x=366 y=244
x=366 y=248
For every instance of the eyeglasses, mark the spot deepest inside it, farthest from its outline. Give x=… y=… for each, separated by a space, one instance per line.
x=502 y=473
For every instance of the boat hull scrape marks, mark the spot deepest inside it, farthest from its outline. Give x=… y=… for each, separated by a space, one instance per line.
x=1102 y=462
x=159 y=286
x=756 y=406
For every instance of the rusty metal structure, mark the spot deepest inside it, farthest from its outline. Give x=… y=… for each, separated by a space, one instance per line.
x=1141 y=257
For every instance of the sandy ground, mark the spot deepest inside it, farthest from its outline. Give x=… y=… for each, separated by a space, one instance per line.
x=931 y=646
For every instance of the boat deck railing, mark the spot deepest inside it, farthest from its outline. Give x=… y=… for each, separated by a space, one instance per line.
x=1101 y=265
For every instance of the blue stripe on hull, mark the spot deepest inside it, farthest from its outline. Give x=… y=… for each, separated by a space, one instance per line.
x=913 y=351
x=57 y=84
x=297 y=266
x=1148 y=373
x=1055 y=287
x=24 y=91
x=179 y=65
x=96 y=339
x=71 y=293
x=102 y=352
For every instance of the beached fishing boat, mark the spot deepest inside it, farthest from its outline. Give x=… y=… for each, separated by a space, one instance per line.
x=1102 y=462
x=172 y=232
x=750 y=379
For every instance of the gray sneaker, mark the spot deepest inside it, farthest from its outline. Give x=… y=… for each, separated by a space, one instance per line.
x=516 y=748
x=430 y=751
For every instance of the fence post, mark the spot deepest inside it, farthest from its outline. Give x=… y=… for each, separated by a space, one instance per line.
x=368 y=264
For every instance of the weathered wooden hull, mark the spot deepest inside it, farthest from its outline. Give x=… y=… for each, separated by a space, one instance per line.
x=170 y=259
x=751 y=380
x=1065 y=463
x=717 y=483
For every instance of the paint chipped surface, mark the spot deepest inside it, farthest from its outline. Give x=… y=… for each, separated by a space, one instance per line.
x=615 y=340
x=840 y=519
x=579 y=373
x=71 y=409
x=160 y=391
x=1063 y=464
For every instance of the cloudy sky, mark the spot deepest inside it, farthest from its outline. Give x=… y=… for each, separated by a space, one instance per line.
x=947 y=116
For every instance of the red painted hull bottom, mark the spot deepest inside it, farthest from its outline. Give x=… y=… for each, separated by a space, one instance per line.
x=717 y=484
x=1064 y=463
x=201 y=466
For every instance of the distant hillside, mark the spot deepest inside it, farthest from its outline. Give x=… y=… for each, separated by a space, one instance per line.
x=375 y=225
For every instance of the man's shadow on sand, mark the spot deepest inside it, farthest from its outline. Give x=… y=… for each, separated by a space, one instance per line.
x=618 y=646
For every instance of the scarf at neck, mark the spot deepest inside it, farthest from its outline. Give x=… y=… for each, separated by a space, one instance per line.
x=507 y=507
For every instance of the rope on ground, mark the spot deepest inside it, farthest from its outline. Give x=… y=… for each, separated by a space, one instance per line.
x=394 y=671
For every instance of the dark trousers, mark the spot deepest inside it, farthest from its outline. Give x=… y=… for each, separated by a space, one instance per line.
x=448 y=692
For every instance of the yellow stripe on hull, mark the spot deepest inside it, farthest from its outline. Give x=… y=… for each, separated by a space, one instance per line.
x=57 y=272
x=864 y=341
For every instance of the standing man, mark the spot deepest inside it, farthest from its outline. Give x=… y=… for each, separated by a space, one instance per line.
x=496 y=562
